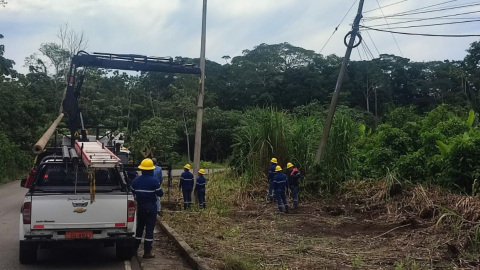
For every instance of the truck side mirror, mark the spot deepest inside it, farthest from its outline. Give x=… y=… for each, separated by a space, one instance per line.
x=22 y=183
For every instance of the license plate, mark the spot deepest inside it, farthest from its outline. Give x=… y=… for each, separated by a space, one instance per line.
x=79 y=235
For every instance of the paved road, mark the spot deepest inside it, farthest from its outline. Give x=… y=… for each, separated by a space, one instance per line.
x=11 y=199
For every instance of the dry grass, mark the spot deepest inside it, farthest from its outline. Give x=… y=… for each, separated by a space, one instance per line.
x=356 y=230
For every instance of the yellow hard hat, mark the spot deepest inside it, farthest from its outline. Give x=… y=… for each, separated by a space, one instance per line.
x=146 y=165
x=278 y=168
x=274 y=160
x=289 y=165
x=201 y=171
x=187 y=167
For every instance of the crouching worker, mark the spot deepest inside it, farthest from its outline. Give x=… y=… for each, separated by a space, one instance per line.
x=200 y=188
x=146 y=189
x=186 y=185
x=293 y=183
x=280 y=185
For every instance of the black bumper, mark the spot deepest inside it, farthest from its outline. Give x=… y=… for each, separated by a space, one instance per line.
x=47 y=241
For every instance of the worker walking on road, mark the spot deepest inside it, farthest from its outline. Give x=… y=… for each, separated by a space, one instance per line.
x=157 y=173
x=200 y=188
x=280 y=185
x=271 y=175
x=186 y=185
x=293 y=182
x=146 y=189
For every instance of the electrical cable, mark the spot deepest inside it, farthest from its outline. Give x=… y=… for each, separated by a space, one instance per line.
x=369 y=51
x=422 y=12
x=425 y=19
x=368 y=33
x=336 y=28
x=385 y=6
x=418 y=34
x=358 y=50
x=401 y=53
x=428 y=25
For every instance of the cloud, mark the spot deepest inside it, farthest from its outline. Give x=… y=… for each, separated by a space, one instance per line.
x=172 y=27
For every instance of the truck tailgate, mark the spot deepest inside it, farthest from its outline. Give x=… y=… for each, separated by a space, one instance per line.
x=74 y=211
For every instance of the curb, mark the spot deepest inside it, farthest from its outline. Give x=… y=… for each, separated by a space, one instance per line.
x=186 y=251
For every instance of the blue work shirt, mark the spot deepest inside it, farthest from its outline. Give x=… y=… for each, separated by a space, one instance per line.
x=280 y=181
x=146 y=188
x=158 y=174
x=271 y=172
x=294 y=177
x=200 y=183
x=186 y=181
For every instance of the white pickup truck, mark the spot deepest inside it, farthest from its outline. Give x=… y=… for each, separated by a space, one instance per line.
x=58 y=211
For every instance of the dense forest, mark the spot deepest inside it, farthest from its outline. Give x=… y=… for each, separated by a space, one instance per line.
x=396 y=116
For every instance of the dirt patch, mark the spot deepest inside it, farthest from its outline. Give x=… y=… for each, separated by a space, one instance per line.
x=350 y=231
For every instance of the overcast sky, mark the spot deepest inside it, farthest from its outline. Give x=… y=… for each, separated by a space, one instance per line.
x=172 y=27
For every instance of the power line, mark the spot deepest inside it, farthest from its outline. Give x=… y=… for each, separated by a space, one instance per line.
x=416 y=34
x=368 y=50
x=433 y=18
x=401 y=53
x=423 y=12
x=366 y=30
x=416 y=9
x=358 y=50
x=424 y=19
x=336 y=28
x=385 y=6
x=428 y=25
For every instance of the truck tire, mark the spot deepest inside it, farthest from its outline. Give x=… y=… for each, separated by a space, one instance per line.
x=28 y=256
x=124 y=253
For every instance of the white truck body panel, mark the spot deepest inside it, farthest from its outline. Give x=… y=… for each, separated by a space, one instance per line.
x=75 y=211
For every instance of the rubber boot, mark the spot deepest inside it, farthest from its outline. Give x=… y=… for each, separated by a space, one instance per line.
x=149 y=255
x=280 y=209
x=286 y=209
x=295 y=205
x=185 y=206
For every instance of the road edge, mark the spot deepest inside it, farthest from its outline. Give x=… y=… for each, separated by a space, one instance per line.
x=186 y=251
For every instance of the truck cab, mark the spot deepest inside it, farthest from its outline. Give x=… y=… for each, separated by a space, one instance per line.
x=70 y=205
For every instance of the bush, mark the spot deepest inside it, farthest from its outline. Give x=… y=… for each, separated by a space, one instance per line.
x=13 y=162
x=412 y=166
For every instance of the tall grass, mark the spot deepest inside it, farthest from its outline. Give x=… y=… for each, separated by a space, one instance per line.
x=267 y=133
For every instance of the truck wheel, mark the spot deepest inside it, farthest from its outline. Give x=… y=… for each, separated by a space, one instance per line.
x=124 y=253
x=28 y=256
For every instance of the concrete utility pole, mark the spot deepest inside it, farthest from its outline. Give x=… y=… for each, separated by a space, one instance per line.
x=351 y=44
x=198 y=129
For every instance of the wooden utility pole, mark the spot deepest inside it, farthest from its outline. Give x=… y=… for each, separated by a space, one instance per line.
x=198 y=129
x=331 y=112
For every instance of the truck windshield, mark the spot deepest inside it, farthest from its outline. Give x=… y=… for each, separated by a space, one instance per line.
x=59 y=175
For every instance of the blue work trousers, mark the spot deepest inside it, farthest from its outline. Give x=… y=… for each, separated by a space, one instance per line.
x=271 y=193
x=187 y=198
x=281 y=198
x=201 y=197
x=146 y=220
x=294 y=190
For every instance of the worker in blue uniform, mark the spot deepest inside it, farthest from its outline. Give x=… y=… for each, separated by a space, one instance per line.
x=200 y=188
x=131 y=173
x=280 y=185
x=293 y=182
x=271 y=175
x=146 y=189
x=157 y=173
x=186 y=185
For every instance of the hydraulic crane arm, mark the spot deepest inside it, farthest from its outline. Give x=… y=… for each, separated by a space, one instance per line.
x=112 y=61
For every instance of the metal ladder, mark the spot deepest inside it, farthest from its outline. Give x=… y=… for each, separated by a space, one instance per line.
x=96 y=155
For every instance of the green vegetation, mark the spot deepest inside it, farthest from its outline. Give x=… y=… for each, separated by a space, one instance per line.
x=269 y=101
